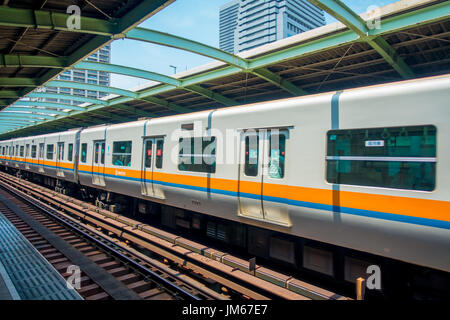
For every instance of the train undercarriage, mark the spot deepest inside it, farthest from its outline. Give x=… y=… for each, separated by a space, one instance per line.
x=326 y=264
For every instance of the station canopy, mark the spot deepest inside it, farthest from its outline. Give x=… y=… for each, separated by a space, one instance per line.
x=404 y=40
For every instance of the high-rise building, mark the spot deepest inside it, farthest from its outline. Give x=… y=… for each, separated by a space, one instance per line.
x=258 y=22
x=85 y=76
x=228 y=21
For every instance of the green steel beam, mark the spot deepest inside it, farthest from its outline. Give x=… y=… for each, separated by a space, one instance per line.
x=19 y=61
x=133 y=110
x=403 y=21
x=19 y=82
x=149 y=75
x=51 y=105
x=38 y=19
x=166 y=104
x=16 y=119
x=27 y=115
x=416 y=18
x=169 y=40
x=49 y=95
x=211 y=95
x=355 y=23
x=275 y=79
x=37 y=110
x=10 y=123
x=419 y=17
x=110 y=115
x=433 y=13
x=103 y=29
x=89 y=86
x=409 y=19
x=10 y=94
x=165 y=39
x=319 y=45
x=127 y=71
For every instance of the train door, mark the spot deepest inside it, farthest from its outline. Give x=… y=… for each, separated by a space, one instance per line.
x=274 y=176
x=152 y=165
x=41 y=157
x=60 y=159
x=262 y=174
x=250 y=175
x=98 y=163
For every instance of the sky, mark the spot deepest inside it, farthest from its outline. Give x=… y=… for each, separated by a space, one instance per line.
x=193 y=19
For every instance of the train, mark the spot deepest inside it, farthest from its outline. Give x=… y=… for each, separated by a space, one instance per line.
x=330 y=183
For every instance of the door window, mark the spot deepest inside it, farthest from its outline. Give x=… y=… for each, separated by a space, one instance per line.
x=148 y=153
x=251 y=155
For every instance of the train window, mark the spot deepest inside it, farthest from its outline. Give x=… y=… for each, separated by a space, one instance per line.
x=148 y=153
x=70 y=152
x=96 y=151
x=41 y=150
x=33 y=151
x=102 y=155
x=396 y=157
x=22 y=149
x=83 y=152
x=121 y=155
x=61 y=151
x=27 y=150
x=12 y=151
x=197 y=154
x=50 y=148
x=159 y=153
x=251 y=155
x=277 y=153
x=17 y=150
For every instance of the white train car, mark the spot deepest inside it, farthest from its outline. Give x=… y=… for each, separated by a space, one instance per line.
x=363 y=169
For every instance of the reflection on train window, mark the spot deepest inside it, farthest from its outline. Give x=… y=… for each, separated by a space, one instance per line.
x=83 y=154
x=251 y=155
x=33 y=151
x=121 y=155
x=41 y=150
x=159 y=153
x=397 y=157
x=70 y=152
x=148 y=153
x=22 y=148
x=197 y=154
x=102 y=156
x=277 y=154
x=60 y=155
x=27 y=150
x=96 y=150
x=50 y=148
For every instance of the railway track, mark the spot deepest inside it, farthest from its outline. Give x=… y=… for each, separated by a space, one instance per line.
x=107 y=271
x=198 y=271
